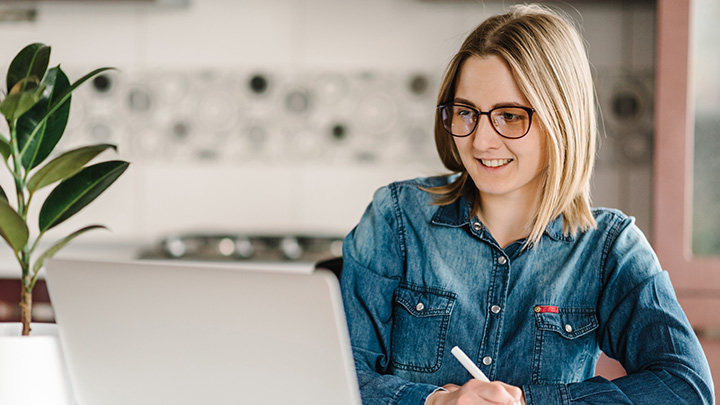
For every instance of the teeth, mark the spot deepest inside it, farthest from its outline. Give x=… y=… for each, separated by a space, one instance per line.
x=495 y=162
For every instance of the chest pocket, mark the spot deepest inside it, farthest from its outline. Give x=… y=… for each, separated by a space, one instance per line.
x=565 y=347
x=421 y=316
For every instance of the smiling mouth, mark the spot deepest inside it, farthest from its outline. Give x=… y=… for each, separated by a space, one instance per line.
x=494 y=162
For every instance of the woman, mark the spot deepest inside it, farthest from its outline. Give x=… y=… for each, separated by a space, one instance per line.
x=505 y=258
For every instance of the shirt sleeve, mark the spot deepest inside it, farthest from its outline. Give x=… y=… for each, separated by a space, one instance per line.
x=373 y=262
x=642 y=326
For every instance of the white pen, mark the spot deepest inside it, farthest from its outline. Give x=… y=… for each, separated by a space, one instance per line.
x=468 y=364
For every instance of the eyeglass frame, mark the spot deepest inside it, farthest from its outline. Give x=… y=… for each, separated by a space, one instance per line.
x=480 y=113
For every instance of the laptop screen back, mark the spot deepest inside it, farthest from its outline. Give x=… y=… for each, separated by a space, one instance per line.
x=151 y=333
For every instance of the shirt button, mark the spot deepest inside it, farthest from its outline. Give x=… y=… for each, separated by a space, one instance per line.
x=477 y=226
x=420 y=306
x=568 y=328
x=502 y=260
x=495 y=309
x=487 y=360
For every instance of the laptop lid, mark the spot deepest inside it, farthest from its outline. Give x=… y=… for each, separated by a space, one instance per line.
x=158 y=333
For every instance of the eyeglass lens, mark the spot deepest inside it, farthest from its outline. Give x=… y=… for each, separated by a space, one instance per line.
x=510 y=122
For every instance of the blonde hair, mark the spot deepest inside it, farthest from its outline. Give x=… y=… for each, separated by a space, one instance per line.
x=549 y=63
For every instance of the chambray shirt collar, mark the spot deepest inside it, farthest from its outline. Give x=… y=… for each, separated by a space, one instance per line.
x=458 y=214
x=455 y=214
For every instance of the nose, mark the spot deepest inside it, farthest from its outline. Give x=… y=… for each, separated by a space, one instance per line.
x=485 y=136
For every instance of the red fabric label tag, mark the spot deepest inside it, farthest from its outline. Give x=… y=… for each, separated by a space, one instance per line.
x=546 y=308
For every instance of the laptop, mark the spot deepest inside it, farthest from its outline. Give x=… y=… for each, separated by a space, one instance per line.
x=136 y=333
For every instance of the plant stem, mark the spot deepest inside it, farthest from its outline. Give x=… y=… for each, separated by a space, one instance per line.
x=26 y=305
x=19 y=183
x=24 y=254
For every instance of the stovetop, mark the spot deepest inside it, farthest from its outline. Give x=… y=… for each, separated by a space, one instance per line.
x=246 y=247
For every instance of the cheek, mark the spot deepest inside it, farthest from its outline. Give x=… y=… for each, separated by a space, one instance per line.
x=540 y=155
x=541 y=148
x=458 y=143
x=462 y=145
x=459 y=150
x=542 y=163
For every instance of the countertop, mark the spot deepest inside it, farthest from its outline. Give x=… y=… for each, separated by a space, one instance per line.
x=128 y=251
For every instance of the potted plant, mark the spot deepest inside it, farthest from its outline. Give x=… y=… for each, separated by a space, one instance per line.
x=36 y=107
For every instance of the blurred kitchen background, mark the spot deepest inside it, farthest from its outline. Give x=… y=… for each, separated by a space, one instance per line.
x=280 y=118
x=258 y=130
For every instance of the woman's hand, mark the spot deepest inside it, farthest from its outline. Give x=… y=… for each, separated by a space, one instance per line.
x=478 y=392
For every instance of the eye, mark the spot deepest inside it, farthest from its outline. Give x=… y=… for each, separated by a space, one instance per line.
x=463 y=112
x=510 y=117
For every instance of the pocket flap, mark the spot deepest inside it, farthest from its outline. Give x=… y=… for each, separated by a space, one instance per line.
x=424 y=301
x=569 y=322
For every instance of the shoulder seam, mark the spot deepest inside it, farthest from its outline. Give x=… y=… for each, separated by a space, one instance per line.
x=398 y=219
x=615 y=226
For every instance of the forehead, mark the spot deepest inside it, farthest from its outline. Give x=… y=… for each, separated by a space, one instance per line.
x=488 y=81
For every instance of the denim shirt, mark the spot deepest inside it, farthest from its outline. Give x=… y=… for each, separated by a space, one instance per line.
x=419 y=279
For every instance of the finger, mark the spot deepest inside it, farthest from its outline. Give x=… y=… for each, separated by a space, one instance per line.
x=451 y=387
x=494 y=392
x=516 y=392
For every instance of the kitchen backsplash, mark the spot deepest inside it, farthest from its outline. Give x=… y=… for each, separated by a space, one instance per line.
x=267 y=117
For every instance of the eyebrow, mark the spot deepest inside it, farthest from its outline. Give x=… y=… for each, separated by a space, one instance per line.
x=503 y=104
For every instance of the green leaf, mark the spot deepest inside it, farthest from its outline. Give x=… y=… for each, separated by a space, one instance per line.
x=16 y=104
x=5 y=149
x=31 y=61
x=37 y=141
x=48 y=254
x=73 y=194
x=12 y=227
x=46 y=129
x=26 y=83
x=3 y=196
x=65 y=166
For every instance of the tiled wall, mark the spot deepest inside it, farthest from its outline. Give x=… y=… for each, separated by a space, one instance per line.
x=348 y=107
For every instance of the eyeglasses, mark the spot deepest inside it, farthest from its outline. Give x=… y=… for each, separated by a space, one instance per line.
x=510 y=122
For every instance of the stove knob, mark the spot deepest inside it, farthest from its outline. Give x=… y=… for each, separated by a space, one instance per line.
x=226 y=247
x=291 y=248
x=174 y=247
x=244 y=248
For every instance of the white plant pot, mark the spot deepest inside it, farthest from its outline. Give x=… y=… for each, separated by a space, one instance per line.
x=32 y=368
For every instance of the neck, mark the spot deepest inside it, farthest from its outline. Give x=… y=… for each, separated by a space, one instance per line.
x=508 y=218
